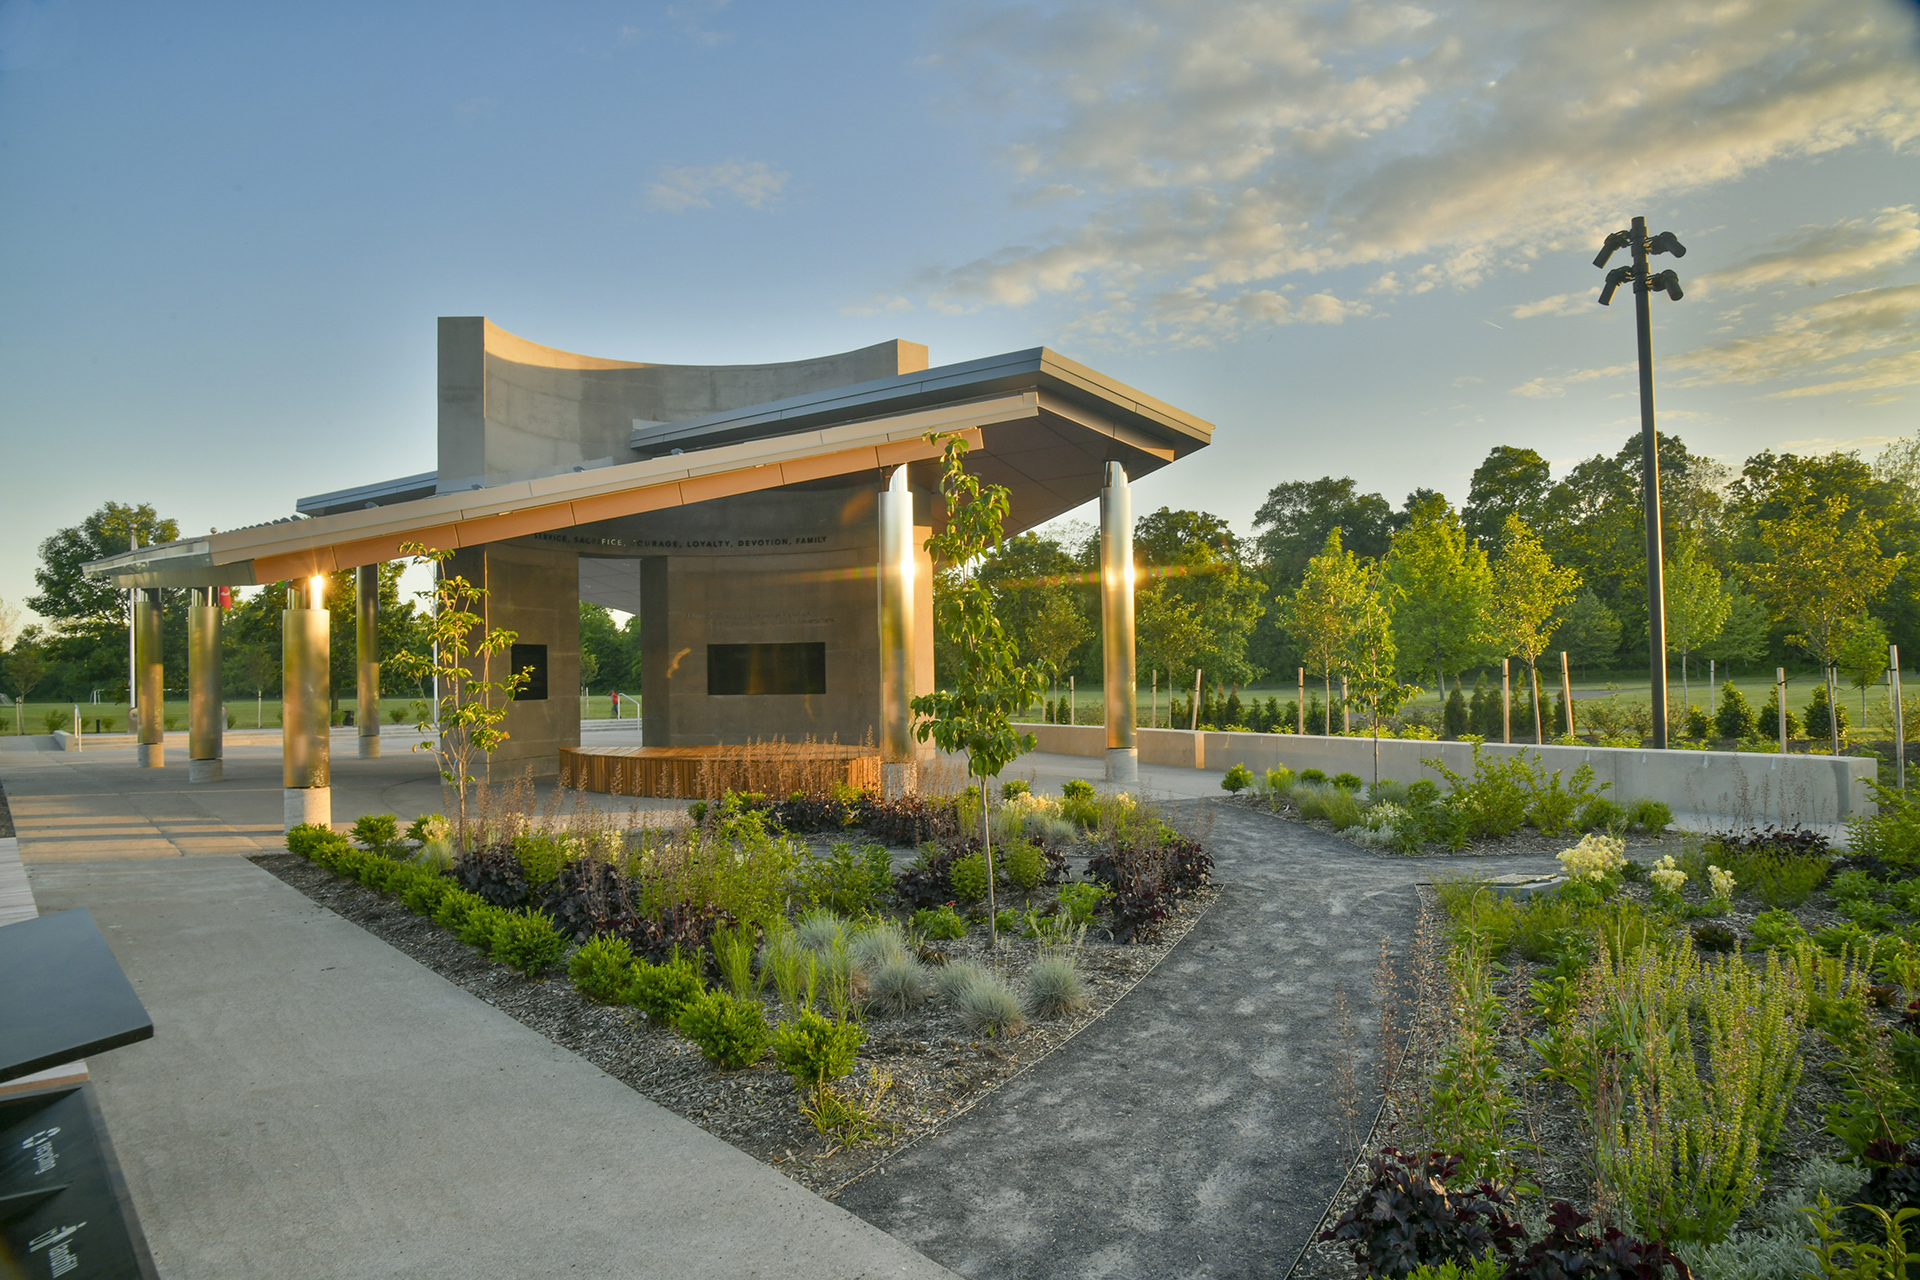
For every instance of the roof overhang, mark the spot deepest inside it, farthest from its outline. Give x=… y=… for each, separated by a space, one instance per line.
x=1045 y=440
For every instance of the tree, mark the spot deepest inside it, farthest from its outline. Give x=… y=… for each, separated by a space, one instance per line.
x=68 y=597
x=1744 y=637
x=1589 y=633
x=1193 y=557
x=24 y=669
x=9 y=623
x=1822 y=572
x=1370 y=651
x=1292 y=525
x=1440 y=580
x=990 y=685
x=1168 y=633
x=467 y=721
x=1320 y=614
x=1529 y=592
x=1697 y=606
x=1053 y=631
x=1511 y=482
x=1863 y=657
x=1039 y=595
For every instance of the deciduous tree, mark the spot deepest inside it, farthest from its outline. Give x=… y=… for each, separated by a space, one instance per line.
x=1441 y=581
x=1529 y=593
x=1320 y=613
x=1697 y=606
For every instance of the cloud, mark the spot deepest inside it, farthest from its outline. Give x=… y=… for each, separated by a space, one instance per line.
x=1816 y=255
x=751 y=182
x=1560 y=304
x=1864 y=341
x=1227 y=148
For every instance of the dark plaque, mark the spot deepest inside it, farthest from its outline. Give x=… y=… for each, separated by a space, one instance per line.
x=532 y=659
x=64 y=996
x=766 y=668
x=64 y=1209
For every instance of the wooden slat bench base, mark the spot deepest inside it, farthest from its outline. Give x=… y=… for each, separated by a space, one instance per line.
x=707 y=773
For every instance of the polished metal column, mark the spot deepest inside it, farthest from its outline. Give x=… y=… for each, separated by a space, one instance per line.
x=898 y=765
x=366 y=614
x=304 y=692
x=150 y=677
x=206 y=714
x=1116 y=625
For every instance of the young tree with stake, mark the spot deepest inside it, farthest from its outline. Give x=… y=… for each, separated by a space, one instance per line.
x=990 y=685
x=1529 y=591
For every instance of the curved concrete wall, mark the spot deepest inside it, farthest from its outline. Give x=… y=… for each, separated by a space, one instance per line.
x=510 y=407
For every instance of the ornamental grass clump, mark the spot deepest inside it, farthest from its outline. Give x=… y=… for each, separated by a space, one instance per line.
x=1054 y=987
x=602 y=969
x=876 y=944
x=988 y=1006
x=955 y=978
x=897 y=985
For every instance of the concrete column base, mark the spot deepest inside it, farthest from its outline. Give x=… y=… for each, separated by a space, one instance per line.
x=369 y=748
x=308 y=804
x=206 y=770
x=150 y=755
x=1123 y=766
x=899 y=779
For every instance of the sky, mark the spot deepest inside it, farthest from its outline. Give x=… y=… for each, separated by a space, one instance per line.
x=1357 y=237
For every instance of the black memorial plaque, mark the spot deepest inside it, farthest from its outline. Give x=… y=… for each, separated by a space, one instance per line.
x=530 y=659
x=737 y=669
x=64 y=1209
x=64 y=996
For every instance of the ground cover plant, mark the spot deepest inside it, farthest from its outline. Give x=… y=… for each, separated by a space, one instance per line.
x=1703 y=1064
x=760 y=950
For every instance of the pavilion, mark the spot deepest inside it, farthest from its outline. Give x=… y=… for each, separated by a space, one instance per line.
x=766 y=522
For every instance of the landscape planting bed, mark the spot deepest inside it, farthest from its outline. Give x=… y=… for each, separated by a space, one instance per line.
x=930 y=1069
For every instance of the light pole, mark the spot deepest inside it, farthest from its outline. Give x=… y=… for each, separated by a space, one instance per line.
x=1644 y=283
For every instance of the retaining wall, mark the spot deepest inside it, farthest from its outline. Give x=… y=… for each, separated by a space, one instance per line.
x=1734 y=787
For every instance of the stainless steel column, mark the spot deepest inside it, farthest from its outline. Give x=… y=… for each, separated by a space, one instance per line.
x=206 y=714
x=151 y=694
x=1116 y=625
x=898 y=764
x=366 y=614
x=304 y=694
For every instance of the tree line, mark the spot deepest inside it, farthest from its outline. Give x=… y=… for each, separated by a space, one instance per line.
x=1790 y=560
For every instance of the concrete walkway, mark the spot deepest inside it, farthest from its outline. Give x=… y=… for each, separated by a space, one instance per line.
x=1192 y=1131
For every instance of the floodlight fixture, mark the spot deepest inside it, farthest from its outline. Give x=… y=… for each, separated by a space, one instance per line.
x=1667 y=242
x=1615 y=242
x=1615 y=278
x=1669 y=281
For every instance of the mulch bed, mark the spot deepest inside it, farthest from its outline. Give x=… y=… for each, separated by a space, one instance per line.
x=938 y=1070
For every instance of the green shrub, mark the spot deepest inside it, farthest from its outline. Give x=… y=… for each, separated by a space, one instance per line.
x=815 y=1049
x=1026 y=865
x=942 y=922
x=1844 y=937
x=55 y=721
x=849 y=884
x=1777 y=931
x=527 y=940
x=1601 y=814
x=476 y=928
x=1014 y=787
x=1649 y=815
x=1333 y=804
x=425 y=892
x=602 y=969
x=1079 y=900
x=1312 y=775
x=1238 y=779
x=1488 y=1266
x=306 y=837
x=1495 y=800
x=454 y=906
x=969 y=876
x=1779 y=881
x=1348 y=781
x=731 y=1033
x=1891 y=835
x=1077 y=789
x=662 y=990
x=540 y=857
x=1279 y=781
x=424 y=827
x=379 y=831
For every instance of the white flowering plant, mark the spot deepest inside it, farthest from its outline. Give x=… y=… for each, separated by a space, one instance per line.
x=1596 y=858
x=1720 y=884
x=1667 y=880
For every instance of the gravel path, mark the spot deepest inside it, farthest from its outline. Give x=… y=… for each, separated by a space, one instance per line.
x=1193 y=1130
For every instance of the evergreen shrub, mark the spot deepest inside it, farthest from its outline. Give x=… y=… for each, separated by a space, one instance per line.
x=602 y=969
x=527 y=940
x=377 y=831
x=814 y=1049
x=662 y=991
x=731 y=1033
